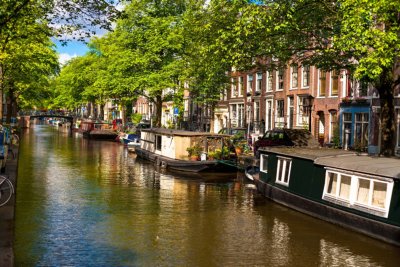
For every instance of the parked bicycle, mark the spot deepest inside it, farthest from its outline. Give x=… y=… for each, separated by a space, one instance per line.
x=6 y=190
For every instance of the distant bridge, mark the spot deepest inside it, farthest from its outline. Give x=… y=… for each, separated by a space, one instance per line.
x=25 y=119
x=68 y=118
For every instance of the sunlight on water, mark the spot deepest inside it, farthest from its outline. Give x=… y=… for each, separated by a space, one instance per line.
x=88 y=203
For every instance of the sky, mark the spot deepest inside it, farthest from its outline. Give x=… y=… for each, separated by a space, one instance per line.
x=70 y=50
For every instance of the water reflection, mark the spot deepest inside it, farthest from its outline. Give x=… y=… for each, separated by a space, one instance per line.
x=82 y=202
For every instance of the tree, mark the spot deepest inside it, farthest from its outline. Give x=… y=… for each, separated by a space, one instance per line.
x=26 y=66
x=144 y=52
x=362 y=36
x=76 y=18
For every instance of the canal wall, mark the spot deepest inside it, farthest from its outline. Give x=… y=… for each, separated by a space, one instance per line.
x=7 y=214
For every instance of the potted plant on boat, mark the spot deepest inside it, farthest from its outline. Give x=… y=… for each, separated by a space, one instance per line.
x=194 y=152
x=238 y=142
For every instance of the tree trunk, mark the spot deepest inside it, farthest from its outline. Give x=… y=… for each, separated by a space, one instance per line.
x=102 y=111
x=157 y=122
x=385 y=88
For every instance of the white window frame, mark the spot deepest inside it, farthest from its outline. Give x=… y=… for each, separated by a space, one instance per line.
x=240 y=86
x=354 y=185
x=263 y=161
x=258 y=81
x=278 y=79
x=294 y=71
x=331 y=84
x=280 y=176
x=303 y=75
x=319 y=83
x=249 y=87
x=269 y=123
x=301 y=119
x=234 y=88
x=269 y=79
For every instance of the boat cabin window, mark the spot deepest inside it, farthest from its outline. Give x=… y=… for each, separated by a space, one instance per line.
x=264 y=163
x=283 y=170
x=158 y=142
x=362 y=193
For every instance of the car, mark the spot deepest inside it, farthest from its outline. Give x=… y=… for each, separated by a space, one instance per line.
x=276 y=137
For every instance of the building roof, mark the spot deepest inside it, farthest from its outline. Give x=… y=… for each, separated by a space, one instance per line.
x=344 y=160
x=377 y=166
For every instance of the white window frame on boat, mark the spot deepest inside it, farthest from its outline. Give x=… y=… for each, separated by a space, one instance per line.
x=280 y=176
x=264 y=163
x=352 y=201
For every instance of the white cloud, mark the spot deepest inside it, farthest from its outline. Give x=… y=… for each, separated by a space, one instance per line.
x=64 y=58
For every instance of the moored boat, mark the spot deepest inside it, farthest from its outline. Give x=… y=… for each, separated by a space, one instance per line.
x=169 y=149
x=356 y=192
x=97 y=130
x=252 y=172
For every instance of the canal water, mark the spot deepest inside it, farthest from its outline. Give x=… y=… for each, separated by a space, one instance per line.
x=90 y=203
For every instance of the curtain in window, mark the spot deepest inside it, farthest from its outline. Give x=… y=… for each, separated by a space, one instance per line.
x=379 y=195
x=332 y=180
x=344 y=191
x=363 y=189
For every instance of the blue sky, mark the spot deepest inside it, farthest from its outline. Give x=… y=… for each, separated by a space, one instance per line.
x=70 y=50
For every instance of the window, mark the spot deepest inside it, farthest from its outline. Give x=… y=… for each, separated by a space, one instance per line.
x=240 y=89
x=333 y=125
x=249 y=83
x=283 y=170
x=269 y=114
x=338 y=185
x=234 y=87
x=362 y=193
x=335 y=82
x=279 y=80
x=293 y=76
x=306 y=76
x=347 y=126
x=280 y=108
x=322 y=83
x=361 y=131
x=259 y=82
x=233 y=112
x=373 y=194
x=158 y=142
x=303 y=112
x=240 y=115
x=264 y=163
x=269 y=81
x=256 y=112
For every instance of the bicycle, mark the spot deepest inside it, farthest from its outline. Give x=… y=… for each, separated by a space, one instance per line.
x=6 y=190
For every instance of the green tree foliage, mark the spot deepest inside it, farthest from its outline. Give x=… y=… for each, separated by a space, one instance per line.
x=25 y=28
x=359 y=35
x=144 y=53
x=26 y=65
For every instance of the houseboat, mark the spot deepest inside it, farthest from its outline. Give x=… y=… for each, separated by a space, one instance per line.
x=358 y=192
x=97 y=130
x=186 y=151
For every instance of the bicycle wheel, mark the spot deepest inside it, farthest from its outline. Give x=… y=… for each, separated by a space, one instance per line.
x=6 y=190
